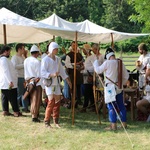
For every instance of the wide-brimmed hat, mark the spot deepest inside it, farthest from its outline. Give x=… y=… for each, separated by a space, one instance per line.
x=87 y=47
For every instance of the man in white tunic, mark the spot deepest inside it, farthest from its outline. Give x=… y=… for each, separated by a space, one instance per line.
x=8 y=83
x=110 y=67
x=51 y=69
x=32 y=70
x=143 y=60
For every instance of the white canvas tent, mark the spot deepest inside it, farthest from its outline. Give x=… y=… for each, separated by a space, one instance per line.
x=88 y=31
x=15 y=28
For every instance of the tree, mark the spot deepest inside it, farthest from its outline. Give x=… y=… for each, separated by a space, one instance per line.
x=116 y=16
x=141 y=15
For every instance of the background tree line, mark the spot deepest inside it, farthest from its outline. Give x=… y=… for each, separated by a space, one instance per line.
x=120 y=15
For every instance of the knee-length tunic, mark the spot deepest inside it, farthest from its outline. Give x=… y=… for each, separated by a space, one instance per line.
x=48 y=67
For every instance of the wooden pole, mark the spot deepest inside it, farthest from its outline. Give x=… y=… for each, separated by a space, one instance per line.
x=4 y=31
x=53 y=38
x=74 y=82
x=112 y=41
x=95 y=96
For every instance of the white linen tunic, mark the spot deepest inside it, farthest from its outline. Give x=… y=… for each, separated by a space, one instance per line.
x=32 y=68
x=18 y=64
x=8 y=73
x=110 y=68
x=50 y=66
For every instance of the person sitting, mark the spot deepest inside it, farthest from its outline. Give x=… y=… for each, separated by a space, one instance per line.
x=143 y=104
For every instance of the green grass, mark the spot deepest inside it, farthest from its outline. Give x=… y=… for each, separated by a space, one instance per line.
x=86 y=133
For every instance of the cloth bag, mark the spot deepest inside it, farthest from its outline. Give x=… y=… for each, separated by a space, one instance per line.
x=47 y=82
x=110 y=93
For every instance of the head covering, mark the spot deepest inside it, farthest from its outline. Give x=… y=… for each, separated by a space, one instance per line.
x=87 y=47
x=34 y=48
x=109 y=52
x=148 y=66
x=52 y=46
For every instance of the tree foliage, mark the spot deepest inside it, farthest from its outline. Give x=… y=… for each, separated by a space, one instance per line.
x=142 y=16
x=121 y=15
x=116 y=16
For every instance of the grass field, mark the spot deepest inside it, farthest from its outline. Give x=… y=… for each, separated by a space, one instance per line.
x=86 y=133
x=21 y=134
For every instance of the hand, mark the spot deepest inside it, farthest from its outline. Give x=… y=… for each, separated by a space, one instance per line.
x=70 y=85
x=54 y=74
x=11 y=85
x=63 y=50
x=138 y=63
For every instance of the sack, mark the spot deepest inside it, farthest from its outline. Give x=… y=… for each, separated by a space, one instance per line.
x=110 y=93
x=29 y=89
x=47 y=82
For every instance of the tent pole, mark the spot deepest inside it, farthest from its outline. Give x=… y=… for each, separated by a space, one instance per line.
x=112 y=41
x=53 y=38
x=74 y=82
x=4 y=31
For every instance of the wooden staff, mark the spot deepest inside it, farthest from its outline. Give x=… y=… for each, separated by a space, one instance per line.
x=95 y=97
x=119 y=73
x=74 y=83
x=112 y=41
x=53 y=38
x=4 y=30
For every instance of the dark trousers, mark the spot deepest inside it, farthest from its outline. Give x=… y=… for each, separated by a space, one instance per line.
x=78 y=87
x=88 y=95
x=9 y=96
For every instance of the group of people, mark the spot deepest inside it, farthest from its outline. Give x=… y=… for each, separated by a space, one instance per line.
x=143 y=66
x=48 y=73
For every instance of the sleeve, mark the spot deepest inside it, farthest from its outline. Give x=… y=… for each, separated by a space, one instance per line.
x=125 y=75
x=15 y=64
x=99 y=68
x=44 y=72
x=7 y=71
x=62 y=72
x=68 y=62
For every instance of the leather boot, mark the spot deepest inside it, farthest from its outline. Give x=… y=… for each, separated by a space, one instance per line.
x=55 y=120
x=47 y=124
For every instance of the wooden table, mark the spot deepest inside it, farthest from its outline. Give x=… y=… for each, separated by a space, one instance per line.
x=133 y=93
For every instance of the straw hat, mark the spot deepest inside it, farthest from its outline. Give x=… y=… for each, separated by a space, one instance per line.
x=87 y=47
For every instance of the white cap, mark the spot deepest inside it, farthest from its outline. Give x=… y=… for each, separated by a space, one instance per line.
x=34 y=48
x=52 y=46
x=148 y=66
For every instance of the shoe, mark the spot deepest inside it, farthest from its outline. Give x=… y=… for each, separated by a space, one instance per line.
x=6 y=113
x=57 y=126
x=36 y=120
x=112 y=127
x=26 y=110
x=47 y=124
x=17 y=114
x=148 y=119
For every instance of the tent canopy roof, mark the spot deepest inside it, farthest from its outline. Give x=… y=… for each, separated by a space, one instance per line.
x=89 y=31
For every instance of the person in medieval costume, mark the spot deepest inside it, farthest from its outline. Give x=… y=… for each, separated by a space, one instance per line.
x=51 y=70
x=32 y=74
x=70 y=63
x=110 y=67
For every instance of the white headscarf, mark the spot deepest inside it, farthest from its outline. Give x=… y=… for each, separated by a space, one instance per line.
x=52 y=46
